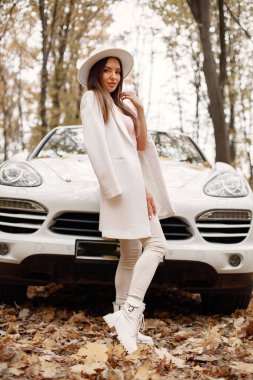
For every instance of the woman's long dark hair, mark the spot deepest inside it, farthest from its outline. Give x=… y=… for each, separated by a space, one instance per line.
x=105 y=99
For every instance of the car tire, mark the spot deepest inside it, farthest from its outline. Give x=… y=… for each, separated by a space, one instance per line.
x=12 y=293
x=225 y=303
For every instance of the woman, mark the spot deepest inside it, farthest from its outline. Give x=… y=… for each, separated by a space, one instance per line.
x=132 y=190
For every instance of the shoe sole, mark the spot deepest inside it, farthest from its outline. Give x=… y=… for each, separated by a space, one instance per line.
x=149 y=342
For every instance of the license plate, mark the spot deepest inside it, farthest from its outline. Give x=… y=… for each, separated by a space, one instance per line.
x=97 y=249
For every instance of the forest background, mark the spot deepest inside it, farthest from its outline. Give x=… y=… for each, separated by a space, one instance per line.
x=193 y=68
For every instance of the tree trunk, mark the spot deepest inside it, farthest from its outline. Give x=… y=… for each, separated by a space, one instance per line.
x=196 y=65
x=200 y=11
x=44 y=72
x=59 y=74
x=20 y=106
x=5 y=114
x=232 y=102
x=223 y=58
x=6 y=17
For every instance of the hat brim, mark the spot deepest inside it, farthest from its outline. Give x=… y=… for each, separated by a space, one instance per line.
x=124 y=56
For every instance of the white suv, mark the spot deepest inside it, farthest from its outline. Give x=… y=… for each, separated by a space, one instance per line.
x=49 y=212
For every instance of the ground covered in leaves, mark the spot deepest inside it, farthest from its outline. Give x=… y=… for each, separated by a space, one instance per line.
x=63 y=336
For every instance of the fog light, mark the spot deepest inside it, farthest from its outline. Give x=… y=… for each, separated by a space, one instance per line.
x=4 y=249
x=235 y=260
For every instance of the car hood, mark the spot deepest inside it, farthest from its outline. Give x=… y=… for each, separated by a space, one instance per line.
x=79 y=169
x=179 y=174
x=69 y=169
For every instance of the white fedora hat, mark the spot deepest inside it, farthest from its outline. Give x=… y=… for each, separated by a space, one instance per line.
x=124 y=56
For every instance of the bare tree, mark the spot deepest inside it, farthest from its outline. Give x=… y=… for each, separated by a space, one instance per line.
x=64 y=26
x=223 y=55
x=7 y=17
x=58 y=76
x=201 y=12
x=197 y=86
x=7 y=108
x=47 y=32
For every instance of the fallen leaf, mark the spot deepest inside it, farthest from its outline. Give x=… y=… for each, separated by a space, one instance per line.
x=24 y=314
x=234 y=342
x=198 y=350
x=93 y=368
x=243 y=367
x=15 y=371
x=13 y=328
x=249 y=327
x=239 y=322
x=48 y=344
x=115 y=349
x=77 y=317
x=162 y=353
x=88 y=369
x=77 y=368
x=38 y=338
x=143 y=372
x=93 y=352
x=19 y=360
x=140 y=353
x=210 y=341
x=205 y=358
x=48 y=315
x=3 y=367
x=48 y=369
x=47 y=358
x=113 y=374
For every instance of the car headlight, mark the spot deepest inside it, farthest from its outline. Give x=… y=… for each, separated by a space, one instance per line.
x=19 y=174
x=227 y=185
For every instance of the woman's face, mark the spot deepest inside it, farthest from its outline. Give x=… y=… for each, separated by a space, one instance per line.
x=111 y=74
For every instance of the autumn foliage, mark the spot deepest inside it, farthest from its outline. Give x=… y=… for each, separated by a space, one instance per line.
x=51 y=338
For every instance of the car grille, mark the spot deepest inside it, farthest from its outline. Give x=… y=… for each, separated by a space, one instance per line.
x=20 y=216
x=175 y=229
x=77 y=223
x=224 y=226
x=86 y=224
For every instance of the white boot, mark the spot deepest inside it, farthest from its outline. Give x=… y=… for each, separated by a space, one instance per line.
x=126 y=322
x=141 y=338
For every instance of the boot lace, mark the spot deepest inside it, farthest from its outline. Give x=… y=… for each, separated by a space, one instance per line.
x=141 y=324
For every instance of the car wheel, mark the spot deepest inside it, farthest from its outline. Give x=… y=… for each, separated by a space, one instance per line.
x=226 y=303
x=12 y=293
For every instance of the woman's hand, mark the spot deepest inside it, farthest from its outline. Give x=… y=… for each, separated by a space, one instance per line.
x=150 y=204
x=133 y=98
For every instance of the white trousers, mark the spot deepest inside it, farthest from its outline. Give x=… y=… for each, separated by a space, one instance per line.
x=136 y=268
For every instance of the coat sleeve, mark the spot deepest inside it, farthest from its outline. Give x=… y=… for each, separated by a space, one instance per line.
x=154 y=179
x=96 y=145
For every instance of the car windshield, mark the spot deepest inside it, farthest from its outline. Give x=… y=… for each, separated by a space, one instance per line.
x=63 y=142
x=177 y=148
x=70 y=141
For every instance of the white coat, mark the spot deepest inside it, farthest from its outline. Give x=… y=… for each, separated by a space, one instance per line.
x=123 y=173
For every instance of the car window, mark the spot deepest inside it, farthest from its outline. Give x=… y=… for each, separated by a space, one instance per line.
x=64 y=142
x=70 y=141
x=177 y=148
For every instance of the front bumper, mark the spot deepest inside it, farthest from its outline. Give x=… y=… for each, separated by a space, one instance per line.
x=187 y=265
x=188 y=275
